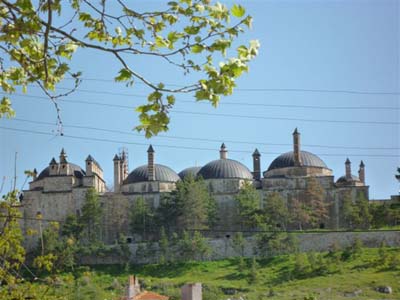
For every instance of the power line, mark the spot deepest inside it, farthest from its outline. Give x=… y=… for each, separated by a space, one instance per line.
x=179 y=147
x=223 y=102
x=357 y=92
x=201 y=139
x=242 y=116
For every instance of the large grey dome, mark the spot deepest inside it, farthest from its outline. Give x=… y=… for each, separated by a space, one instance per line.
x=163 y=173
x=344 y=179
x=225 y=168
x=76 y=170
x=192 y=171
x=287 y=160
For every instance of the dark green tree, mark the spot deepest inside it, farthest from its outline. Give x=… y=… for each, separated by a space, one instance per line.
x=275 y=211
x=91 y=217
x=315 y=202
x=190 y=206
x=141 y=218
x=248 y=206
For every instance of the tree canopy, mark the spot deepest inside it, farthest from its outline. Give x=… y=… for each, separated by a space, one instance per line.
x=38 y=40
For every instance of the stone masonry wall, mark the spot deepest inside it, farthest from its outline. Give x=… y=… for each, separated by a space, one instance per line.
x=323 y=241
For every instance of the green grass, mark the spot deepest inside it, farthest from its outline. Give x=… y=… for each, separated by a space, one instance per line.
x=276 y=279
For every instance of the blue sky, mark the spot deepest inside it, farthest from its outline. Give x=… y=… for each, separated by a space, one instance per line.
x=311 y=45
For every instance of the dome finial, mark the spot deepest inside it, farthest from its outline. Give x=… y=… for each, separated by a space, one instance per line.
x=150 y=150
x=223 y=151
x=256 y=152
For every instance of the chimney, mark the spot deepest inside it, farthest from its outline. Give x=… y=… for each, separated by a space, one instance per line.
x=133 y=287
x=348 y=169
x=361 y=172
x=53 y=167
x=256 y=165
x=117 y=174
x=150 y=164
x=64 y=166
x=223 y=152
x=296 y=148
x=192 y=291
x=89 y=166
x=124 y=165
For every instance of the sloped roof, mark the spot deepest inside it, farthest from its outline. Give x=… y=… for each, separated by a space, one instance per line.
x=146 y=295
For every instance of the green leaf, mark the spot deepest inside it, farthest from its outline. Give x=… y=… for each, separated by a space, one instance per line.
x=124 y=75
x=197 y=48
x=238 y=11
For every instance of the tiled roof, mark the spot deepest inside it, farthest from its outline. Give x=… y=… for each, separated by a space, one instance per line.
x=146 y=295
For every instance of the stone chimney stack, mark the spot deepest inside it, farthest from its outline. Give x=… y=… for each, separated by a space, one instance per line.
x=89 y=166
x=223 y=152
x=348 y=168
x=150 y=164
x=133 y=287
x=124 y=165
x=192 y=291
x=256 y=165
x=361 y=172
x=296 y=148
x=53 y=167
x=117 y=173
x=64 y=166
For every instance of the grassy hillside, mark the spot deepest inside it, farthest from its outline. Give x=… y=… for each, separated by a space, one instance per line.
x=322 y=276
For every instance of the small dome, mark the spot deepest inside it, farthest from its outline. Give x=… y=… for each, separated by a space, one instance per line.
x=225 y=168
x=287 y=160
x=192 y=171
x=344 y=179
x=163 y=173
x=76 y=170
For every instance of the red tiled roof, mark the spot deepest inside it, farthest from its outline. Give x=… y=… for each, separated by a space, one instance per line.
x=146 y=295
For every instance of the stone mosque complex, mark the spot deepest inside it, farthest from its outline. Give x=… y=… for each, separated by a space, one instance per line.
x=59 y=190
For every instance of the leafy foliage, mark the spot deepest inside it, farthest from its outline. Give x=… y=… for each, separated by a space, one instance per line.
x=38 y=43
x=248 y=202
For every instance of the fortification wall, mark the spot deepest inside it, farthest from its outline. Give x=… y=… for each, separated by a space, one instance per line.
x=223 y=247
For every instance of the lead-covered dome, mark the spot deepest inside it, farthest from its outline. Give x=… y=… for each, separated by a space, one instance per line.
x=286 y=160
x=192 y=171
x=225 y=168
x=76 y=170
x=344 y=179
x=162 y=173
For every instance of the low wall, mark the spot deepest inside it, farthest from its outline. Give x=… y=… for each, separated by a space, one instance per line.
x=315 y=241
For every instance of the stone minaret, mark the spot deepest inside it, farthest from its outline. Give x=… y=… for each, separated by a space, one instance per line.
x=361 y=172
x=348 y=169
x=150 y=164
x=256 y=165
x=64 y=166
x=296 y=148
x=223 y=152
x=53 y=167
x=117 y=173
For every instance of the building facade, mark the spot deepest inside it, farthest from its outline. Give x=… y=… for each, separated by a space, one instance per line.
x=60 y=189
